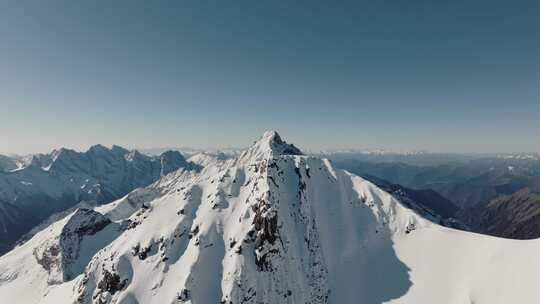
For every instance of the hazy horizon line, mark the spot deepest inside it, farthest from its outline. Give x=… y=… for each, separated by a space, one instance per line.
x=198 y=149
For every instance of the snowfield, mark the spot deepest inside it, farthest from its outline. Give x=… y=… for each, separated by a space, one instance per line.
x=268 y=226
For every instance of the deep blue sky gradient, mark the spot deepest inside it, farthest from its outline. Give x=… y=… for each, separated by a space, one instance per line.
x=402 y=75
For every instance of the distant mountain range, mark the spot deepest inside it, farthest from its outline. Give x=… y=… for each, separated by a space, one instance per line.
x=464 y=182
x=53 y=182
x=515 y=216
x=494 y=194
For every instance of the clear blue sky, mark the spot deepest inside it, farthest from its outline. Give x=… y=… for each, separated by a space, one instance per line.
x=437 y=75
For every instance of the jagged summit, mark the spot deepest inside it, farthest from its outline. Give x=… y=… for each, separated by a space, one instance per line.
x=99 y=148
x=268 y=146
x=277 y=145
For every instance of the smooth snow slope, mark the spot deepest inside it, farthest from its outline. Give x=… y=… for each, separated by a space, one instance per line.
x=269 y=226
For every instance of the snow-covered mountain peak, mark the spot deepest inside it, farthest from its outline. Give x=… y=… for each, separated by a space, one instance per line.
x=268 y=146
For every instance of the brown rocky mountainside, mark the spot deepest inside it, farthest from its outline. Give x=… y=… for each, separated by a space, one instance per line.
x=511 y=216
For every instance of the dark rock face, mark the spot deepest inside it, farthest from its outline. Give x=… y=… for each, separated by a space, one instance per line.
x=171 y=161
x=265 y=223
x=49 y=260
x=141 y=253
x=57 y=256
x=111 y=282
x=282 y=147
x=183 y=296
x=85 y=222
x=513 y=216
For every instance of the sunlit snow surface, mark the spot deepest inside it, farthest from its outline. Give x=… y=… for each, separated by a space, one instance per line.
x=269 y=226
